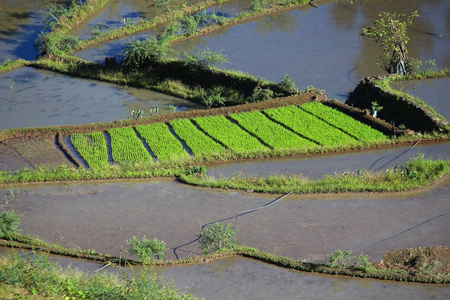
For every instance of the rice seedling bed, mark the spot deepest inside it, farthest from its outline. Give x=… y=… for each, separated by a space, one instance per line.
x=92 y=147
x=196 y=140
x=273 y=134
x=344 y=122
x=229 y=134
x=162 y=142
x=310 y=126
x=127 y=147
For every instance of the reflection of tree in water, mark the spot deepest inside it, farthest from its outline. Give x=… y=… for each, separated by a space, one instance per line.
x=283 y=22
x=424 y=33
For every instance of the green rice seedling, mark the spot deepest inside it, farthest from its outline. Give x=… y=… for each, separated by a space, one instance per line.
x=127 y=147
x=92 y=147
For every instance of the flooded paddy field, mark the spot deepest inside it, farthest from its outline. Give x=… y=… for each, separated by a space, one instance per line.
x=323 y=46
x=295 y=227
x=433 y=91
x=44 y=98
x=20 y=24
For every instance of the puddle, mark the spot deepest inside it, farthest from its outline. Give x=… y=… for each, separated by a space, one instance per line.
x=20 y=24
x=43 y=98
x=297 y=226
x=323 y=46
x=317 y=166
x=433 y=91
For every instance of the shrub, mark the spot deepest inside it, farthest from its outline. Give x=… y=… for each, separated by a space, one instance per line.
x=213 y=99
x=190 y=24
x=139 y=54
x=260 y=94
x=338 y=258
x=9 y=220
x=362 y=262
x=217 y=237
x=204 y=58
x=146 y=249
x=288 y=84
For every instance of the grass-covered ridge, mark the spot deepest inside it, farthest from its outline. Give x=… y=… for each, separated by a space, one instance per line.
x=415 y=174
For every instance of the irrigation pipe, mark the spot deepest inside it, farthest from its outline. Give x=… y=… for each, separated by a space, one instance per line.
x=242 y=213
x=404 y=152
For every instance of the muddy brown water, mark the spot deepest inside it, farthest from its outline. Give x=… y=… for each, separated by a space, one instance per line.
x=240 y=278
x=435 y=92
x=44 y=98
x=102 y=216
x=317 y=166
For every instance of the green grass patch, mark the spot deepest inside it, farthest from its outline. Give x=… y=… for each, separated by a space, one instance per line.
x=126 y=147
x=415 y=174
x=92 y=147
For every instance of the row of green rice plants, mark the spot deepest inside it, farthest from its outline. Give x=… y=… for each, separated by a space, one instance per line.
x=92 y=147
x=162 y=142
x=127 y=147
x=344 y=122
x=309 y=126
x=271 y=133
x=229 y=134
x=196 y=140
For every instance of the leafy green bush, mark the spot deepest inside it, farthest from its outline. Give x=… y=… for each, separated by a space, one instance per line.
x=190 y=24
x=146 y=249
x=288 y=84
x=139 y=54
x=213 y=99
x=260 y=94
x=339 y=259
x=9 y=220
x=204 y=58
x=362 y=262
x=217 y=237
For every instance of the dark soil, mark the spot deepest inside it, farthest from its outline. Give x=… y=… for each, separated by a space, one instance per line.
x=418 y=260
x=10 y=160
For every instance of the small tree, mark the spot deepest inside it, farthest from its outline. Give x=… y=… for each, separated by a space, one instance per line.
x=9 y=220
x=390 y=32
x=217 y=237
x=147 y=249
x=139 y=54
x=288 y=84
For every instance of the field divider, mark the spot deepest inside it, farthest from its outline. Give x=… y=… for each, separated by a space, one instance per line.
x=290 y=129
x=185 y=147
x=322 y=119
x=59 y=143
x=208 y=135
x=109 y=147
x=71 y=148
x=150 y=152
x=249 y=132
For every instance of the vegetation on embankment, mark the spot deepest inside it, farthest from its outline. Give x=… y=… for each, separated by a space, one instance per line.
x=415 y=174
x=363 y=269
x=399 y=107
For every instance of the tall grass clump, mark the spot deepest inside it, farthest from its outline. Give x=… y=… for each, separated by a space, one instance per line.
x=9 y=220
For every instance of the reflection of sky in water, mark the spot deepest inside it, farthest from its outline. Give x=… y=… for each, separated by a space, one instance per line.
x=42 y=98
x=435 y=91
x=322 y=46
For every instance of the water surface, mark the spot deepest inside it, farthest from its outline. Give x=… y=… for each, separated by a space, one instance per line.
x=31 y=97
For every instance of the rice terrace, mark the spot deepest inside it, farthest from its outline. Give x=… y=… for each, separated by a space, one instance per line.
x=224 y=149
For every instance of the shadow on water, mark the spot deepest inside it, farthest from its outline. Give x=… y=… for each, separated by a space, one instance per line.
x=435 y=92
x=31 y=97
